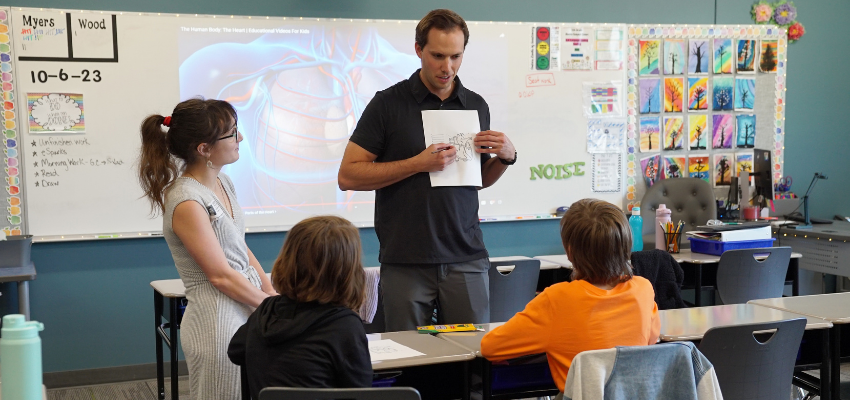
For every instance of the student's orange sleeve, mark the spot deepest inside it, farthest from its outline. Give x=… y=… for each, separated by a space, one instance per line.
x=526 y=333
x=655 y=330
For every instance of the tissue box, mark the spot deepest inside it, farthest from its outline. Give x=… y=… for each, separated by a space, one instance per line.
x=15 y=251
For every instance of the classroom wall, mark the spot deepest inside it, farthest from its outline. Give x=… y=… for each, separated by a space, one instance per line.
x=94 y=297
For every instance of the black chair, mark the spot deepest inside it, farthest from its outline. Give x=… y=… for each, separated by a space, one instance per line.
x=750 y=368
x=690 y=200
x=742 y=277
x=511 y=291
x=396 y=393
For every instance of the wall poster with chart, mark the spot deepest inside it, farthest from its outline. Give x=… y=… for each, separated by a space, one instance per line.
x=732 y=95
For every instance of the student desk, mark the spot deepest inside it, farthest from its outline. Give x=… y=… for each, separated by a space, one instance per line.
x=174 y=291
x=690 y=324
x=423 y=370
x=700 y=269
x=472 y=342
x=834 y=308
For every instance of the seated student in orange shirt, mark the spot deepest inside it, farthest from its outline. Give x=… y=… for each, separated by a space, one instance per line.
x=603 y=307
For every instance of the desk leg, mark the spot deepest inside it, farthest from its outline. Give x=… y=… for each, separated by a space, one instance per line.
x=466 y=385
x=160 y=373
x=172 y=324
x=24 y=299
x=698 y=285
x=794 y=266
x=486 y=379
x=835 y=361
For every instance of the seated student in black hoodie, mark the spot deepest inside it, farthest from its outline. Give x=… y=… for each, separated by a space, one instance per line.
x=309 y=336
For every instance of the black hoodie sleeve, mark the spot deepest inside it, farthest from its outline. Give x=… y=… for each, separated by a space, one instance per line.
x=236 y=349
x=354 y=366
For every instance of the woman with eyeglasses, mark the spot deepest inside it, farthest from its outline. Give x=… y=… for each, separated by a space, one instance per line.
x=180 y=173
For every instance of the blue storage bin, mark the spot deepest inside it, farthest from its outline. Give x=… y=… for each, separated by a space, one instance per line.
x=521 y=376
x=717 y=247
x=383 y=382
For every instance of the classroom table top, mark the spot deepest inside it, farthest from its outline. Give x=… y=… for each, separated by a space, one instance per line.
x=436 y=351
x=170 y=287
x=469 y=340
x=684 y=256
x=833 y=307
x=505 y=268
x=692 y=323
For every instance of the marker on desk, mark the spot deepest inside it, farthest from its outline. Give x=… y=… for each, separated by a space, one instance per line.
x=106 y=236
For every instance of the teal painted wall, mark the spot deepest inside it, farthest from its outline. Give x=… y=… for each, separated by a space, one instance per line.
x=94 y=297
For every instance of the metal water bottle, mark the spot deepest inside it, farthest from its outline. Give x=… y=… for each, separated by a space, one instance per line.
x=20 y=358
x=662 y=217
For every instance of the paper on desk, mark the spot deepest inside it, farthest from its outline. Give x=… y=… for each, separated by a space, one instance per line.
x=386 y=349
x=457 y=128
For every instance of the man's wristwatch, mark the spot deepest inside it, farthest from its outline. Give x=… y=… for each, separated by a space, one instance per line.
x=506 y=162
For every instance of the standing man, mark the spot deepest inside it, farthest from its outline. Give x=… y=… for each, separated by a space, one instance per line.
x=431 y=247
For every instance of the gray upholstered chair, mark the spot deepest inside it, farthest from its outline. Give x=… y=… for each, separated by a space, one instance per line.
x=690 y=200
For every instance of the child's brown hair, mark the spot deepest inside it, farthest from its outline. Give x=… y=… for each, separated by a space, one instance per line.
x=598 y=241
x=321 y=261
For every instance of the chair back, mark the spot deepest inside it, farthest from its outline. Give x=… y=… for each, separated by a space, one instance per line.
x=661 y=371
x=394 y=393
x=749 y=369
x=690 y=200
x=510 y=292
x=742 y=277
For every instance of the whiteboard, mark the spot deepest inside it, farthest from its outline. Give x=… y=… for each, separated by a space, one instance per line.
x=299 y=86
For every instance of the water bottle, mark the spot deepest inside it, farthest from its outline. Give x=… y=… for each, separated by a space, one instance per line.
x=20 y=358
x=662 y=217
x=636 y=223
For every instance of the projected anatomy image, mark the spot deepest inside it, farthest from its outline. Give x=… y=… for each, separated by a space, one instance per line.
x=299 y=92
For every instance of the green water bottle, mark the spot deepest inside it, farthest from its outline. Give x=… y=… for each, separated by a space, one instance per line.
x=20 y=358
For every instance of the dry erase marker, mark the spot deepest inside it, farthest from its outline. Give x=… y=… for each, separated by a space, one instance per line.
x=439 y=150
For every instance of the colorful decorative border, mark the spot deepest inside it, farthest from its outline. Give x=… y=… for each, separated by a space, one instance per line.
x=761 y=32
x=14 y=188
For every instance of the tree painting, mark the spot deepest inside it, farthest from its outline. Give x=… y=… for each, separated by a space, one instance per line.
x=723 y=56
x=673 y=93
x=697 y=135
x=698 y=54
x=723 y=131
x=723 y=93
x=650 y=95
x=768 y=56
x=746 y=131
x=674 y=133
x=722 y=169
x=650 y=132
x=697 y=93
x=674 y=167
x=744 y=162
x=649 y=51
x=698 y=167
x=745 y=94
x=674 y=56
x=746 y=56
x=650 y=167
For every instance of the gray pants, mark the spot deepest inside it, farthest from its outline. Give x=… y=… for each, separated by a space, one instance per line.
x=409 y=291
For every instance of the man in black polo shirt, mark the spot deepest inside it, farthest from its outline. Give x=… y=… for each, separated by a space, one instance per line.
x=431 y=245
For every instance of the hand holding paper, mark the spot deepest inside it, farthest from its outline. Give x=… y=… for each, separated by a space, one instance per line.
x=496 y=143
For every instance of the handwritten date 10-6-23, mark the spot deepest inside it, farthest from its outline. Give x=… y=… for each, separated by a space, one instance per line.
x=84 y=76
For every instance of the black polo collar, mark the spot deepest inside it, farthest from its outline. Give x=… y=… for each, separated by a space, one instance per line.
x=420 y=92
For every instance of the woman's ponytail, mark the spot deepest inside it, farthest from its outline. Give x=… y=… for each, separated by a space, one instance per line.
x=157 y=168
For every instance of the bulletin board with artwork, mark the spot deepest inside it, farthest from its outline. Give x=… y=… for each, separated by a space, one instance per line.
x=700 y=100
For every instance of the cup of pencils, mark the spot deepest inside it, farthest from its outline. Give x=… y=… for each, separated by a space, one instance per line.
x=673 y=236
